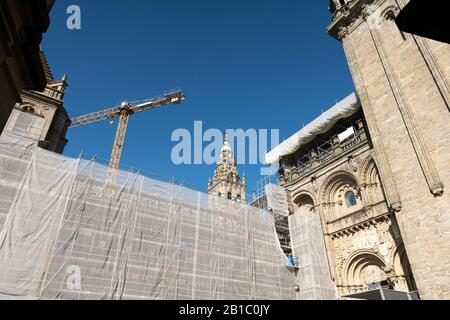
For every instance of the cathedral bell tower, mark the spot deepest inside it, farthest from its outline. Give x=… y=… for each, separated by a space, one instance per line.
x=226 y=182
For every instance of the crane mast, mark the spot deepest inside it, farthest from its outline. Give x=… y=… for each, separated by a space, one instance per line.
x=119 y=140
x=123 y=112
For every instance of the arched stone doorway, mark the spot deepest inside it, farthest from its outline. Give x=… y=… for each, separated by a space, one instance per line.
x=304 y=203
x=363 y=268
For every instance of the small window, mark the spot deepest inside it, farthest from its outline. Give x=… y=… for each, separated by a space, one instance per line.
x=350 y=199
x=229 y=195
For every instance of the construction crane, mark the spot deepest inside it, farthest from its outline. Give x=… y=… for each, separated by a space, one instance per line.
x=123 y=112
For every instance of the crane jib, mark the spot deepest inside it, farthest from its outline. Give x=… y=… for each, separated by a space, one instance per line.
x=123 y=112
x=171 y=98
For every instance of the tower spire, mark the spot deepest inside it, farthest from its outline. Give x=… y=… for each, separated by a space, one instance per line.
x=226 y=182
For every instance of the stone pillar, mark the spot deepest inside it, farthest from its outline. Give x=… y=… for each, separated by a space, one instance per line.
x=336 y=145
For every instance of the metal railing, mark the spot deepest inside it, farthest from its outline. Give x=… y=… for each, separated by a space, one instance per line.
x=323 y=155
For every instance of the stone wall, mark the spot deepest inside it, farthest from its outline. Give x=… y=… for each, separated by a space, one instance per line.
x=402 y=81
x=21 y=26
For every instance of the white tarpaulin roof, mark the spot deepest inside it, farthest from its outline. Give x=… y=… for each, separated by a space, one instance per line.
x=343 y=109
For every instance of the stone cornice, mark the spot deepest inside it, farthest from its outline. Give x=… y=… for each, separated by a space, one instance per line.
x=346 y=16
x=40 y=97
x=373 y=219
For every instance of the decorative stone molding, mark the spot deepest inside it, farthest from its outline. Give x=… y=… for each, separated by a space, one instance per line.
x=376 y=254
x=328 y=183
x=423 y=155
x=380 y=157
x=347 y=17
x=433 y=66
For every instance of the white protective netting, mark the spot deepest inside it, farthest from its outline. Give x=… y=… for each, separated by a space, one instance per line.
x=277 y=200
x=68 y=233
x=309 y=248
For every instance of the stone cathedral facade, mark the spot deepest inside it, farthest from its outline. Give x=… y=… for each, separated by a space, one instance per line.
x=338 y=179
x=382 y=193
x=226 y=182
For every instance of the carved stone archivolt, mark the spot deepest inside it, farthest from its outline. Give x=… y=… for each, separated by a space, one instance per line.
x=368 y=253
x=304 y=202
x=334 y=192
x=364 y=252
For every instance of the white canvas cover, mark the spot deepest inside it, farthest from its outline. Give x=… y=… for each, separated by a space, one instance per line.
x=66 y=232
x=322 y=124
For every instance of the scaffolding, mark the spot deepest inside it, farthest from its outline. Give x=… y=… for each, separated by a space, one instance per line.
x=301 y=238
x=314 y=280
x=324 y=148
x=264 y=198
x=67 y=232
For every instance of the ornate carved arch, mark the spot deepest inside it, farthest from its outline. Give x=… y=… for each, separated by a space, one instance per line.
x=358 y=269
x=330 y=182
x=302 y=193
x=370 y=181
x=334 y=193
x=368 y=174
x=304 y=200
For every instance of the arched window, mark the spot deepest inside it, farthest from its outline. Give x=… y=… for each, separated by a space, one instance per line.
x=350 y=199
x=304 y=204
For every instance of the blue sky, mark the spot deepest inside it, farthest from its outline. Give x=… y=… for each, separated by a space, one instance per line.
x=263 y=64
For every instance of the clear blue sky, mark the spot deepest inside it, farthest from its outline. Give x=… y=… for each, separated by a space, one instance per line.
x=259 y=64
